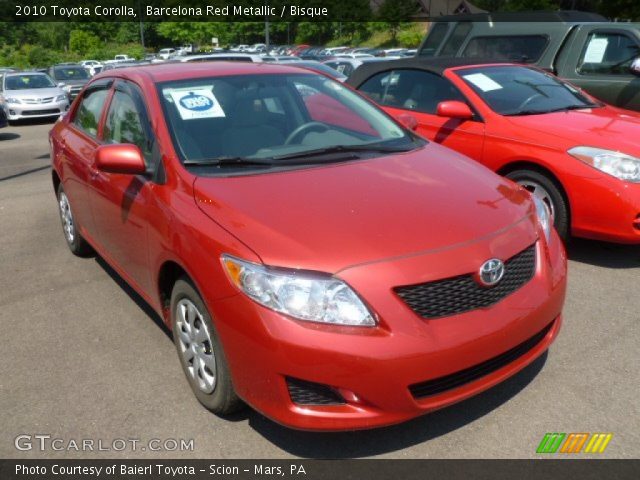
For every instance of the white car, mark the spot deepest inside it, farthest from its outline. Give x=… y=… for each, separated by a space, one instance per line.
x=31 y=95
x=92 y=66
x=166 y=53
x=223 y=57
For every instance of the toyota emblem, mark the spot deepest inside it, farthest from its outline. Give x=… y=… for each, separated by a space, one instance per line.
x=491 y=272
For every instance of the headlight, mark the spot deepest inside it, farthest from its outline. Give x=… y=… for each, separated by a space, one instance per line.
x=60 y=98
x=12 y=100
x=67 y=88
x=544 y=215
x=620 y=165
x=302 y=295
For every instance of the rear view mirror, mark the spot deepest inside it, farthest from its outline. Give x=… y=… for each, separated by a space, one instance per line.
x=635 y=66
x=454 y=109
x=122 y=158
x=408 y=121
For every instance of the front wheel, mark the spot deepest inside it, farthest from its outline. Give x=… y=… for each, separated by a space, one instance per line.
x=75 y=242
x=200 y=351
x=548 y=191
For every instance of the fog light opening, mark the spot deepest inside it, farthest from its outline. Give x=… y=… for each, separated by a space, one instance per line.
x=636 y=222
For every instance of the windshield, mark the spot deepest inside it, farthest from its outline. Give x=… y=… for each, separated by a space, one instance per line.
x=269 y=117
x=28 y=82
x=512 y=90
x=70 y=73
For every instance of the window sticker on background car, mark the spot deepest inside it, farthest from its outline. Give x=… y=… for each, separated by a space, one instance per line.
x=193 y=103
x=483 y=82
x=596 y=50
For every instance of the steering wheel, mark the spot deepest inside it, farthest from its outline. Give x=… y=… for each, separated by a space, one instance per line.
x=529 y=100
x=310 y=126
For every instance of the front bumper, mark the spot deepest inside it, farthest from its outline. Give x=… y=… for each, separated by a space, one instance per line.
x=20 y=111
x=605 y=208
x=373 y=368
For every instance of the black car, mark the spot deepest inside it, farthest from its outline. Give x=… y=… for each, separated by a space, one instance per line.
x=70 y=77
x=3 y=119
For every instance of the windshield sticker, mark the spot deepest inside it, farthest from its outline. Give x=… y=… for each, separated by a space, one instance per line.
x=196 y=103
x=595 y=51
x=483 y=82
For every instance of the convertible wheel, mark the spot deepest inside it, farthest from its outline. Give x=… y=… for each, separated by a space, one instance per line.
x=546 y=190
x=75 y=242
x=200 y=351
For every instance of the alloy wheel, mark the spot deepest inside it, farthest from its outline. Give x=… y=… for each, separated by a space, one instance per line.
x=195 y=345
x=540 y=192
x=67 y=217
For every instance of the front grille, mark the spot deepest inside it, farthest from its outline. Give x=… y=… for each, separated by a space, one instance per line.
x=455 y=380
x=40 y=112
x=462 y=293
x=74 y=91
x=310 y=393
x=36 y=101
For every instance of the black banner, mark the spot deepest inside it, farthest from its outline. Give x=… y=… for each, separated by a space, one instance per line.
x=321 y=469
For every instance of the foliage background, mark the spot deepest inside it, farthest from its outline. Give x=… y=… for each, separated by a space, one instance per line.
x=40 y=44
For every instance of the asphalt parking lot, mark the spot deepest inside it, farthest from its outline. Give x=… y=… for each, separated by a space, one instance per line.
x=83 y=357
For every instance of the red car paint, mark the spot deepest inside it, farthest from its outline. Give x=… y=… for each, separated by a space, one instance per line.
x=393 y=220
x=601 y=206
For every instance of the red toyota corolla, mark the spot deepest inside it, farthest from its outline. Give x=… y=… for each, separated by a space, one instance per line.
x=578 y=155
x=314 y=258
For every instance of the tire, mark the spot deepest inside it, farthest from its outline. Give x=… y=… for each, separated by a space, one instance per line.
x=548 y=190
x=200 y=351
x=75 y=242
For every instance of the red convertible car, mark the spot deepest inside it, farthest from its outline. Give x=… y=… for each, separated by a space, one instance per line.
x=313 y=257
x=578 y=155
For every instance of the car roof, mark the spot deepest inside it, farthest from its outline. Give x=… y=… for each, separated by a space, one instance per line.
x=165 y=72
x=565 y=16
x=434 y=65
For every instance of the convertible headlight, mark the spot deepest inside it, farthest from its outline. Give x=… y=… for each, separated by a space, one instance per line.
x=305 y=296
x=620 y=165
x=544 y=215
x=60 y=98
x=12 y=100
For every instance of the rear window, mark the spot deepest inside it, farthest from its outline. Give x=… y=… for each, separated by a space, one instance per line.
x=514 y=48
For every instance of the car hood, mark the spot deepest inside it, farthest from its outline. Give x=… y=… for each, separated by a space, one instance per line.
x=330 y=217
x=33 y=93
x=605 y=127
x=74 y=82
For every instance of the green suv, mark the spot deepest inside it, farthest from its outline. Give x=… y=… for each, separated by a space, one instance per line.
x=598 y=56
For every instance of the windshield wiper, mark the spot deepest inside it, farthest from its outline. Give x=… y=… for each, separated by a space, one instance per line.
x=559 y=109
x=339 y=149
x=228 y=161
x=298 y=158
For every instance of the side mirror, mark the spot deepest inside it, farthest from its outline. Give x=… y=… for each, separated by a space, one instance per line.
x=409 y=121
x=635 y=66
x=454 y=109
x=122 y=158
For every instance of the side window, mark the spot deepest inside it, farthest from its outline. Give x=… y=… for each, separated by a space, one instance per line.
x=516 y=48
x=434 y=39
x=410 y=89
x=608 y=53
x=87 y=116
x=124 y=124
x=456 y=39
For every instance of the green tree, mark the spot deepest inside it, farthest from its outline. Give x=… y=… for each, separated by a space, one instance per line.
x=81 y=42
x=395 y=14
